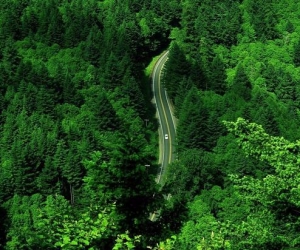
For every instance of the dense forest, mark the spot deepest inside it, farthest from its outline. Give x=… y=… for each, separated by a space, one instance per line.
x=79 y=141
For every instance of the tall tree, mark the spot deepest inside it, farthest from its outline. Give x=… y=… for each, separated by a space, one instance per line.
x=56 y=27
x=218 y=76
x=92 y=49
x=297 y=54
x=192 y=127
x=264 y=19
x=133 y=91
x=184 y=86
x=198 y=74
x=176 y=69
x=241 y=85
x=104 y=115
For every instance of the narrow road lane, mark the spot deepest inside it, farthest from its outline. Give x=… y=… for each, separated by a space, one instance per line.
x=165 y=117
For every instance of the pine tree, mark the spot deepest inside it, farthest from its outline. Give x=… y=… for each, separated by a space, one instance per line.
x=272 y=78
x=219 y=23
x=23 y=71
x=114 y=71
x=286 y=90
x=218 y=76
x=264 y=19
x=188 y=17
x=11 y=25
x=176 y=68
x=29 y=23
x=45 y=101
x=192 y=127
x=289 y=27
x=104 y=115
x=215 y=129
x=297 y=54
x=133 y=91
x=11 y=59
x=92 y=49
x=69 y=91
x=44 y=17
x=184 y=86
x=24 y=172
x=55 y=29
x=241 y=85
x=48 y=179
x=198 y=75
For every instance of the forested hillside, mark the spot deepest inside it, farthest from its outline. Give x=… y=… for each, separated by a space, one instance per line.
x=78 y=128
x=233 y=76
x=74 y=141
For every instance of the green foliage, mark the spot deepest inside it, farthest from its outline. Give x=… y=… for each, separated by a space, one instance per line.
x=149 y=69
x=40 y=224
x=168 y=244
x=218 y=76
x=241 y=85
x=297 y=54
x=176 y=68
x=202 y=230
x=218 y=26
x=192 y=173
x=192 y=126
x=264 y=19
x=277 y=192
x=125 y=242
x=73 y=138
x=67 y=90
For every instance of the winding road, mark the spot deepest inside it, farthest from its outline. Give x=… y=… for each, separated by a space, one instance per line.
x=166 y=119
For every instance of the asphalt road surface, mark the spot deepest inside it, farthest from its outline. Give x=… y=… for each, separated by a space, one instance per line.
x=166 y=121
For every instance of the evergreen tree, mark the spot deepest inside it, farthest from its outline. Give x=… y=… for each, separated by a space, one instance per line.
x=11 y=59
x=188 y=17
x=69 y=91
x=289 y=27
x=44 y=17
x=23 y=71
x=55 y=29
x=104 y=115
x=218 y=76
x=176 y=69
x=297 y=54
x=29 y=22
x=192 y=127
x=286 y=90
x=45 y=101
x=72 y=173
x=114 y=71
x=184 y=86
x=190 y=175
x=92 y=49
x=241 y=85
x=219 y=23
x=215 y=130
x=48 y=179
x=10 y=19
x=264 y=19
x=272 y=78
x=133 y=91
x=268 y=120
x=198 y=75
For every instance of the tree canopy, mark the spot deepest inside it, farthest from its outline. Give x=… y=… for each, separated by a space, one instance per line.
x=78 y=135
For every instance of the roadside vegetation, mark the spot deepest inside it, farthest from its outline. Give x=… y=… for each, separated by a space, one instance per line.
x=77 y=127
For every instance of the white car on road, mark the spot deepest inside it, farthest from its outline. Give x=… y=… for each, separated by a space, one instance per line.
x=166 y=136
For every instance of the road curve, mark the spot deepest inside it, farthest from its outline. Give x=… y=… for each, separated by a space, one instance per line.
x=166 y=121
